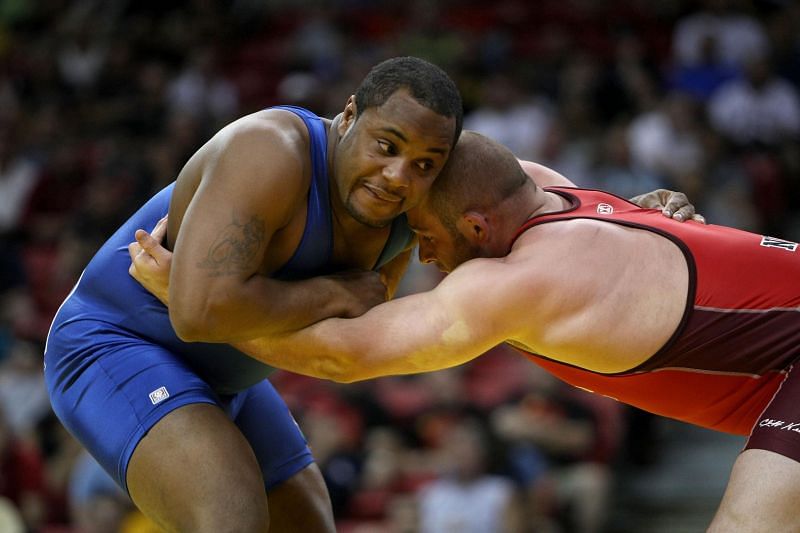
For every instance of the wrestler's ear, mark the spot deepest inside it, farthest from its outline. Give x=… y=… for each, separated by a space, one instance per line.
x=474 y=226
x=348 y=115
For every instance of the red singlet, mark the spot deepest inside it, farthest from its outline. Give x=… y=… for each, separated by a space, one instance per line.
x=736 y=343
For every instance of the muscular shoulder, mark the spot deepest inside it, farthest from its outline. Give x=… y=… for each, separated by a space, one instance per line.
x=263 y=156
x=560 y=241
x=270 y=139
x=565 y=262
x=585 y=256
x=247 y=166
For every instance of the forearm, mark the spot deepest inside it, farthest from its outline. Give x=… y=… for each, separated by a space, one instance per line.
x=408 y=335
x=304 y=353
x=260 y=307
x=325 y=351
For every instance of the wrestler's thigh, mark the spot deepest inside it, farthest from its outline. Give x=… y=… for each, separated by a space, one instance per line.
x=194 y=471
x=763 y=495
x=298 y=498
x=110 y=391
x=301 y=503
x=156 y=427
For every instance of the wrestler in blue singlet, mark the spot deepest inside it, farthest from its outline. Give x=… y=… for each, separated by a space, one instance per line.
x=114 y=365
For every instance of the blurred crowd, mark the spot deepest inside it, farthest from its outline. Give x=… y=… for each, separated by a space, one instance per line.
x=102 y=101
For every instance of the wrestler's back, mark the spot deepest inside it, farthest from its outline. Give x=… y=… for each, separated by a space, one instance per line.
x=738 y=337
x=622 y=293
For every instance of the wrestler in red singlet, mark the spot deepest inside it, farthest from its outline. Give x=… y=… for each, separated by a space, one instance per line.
x=728 y=365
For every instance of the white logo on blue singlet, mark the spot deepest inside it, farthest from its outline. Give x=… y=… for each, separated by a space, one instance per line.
x=159 y=395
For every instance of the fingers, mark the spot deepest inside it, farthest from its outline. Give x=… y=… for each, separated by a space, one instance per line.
x=138 y=257
x=678 y=203
x=146 y=252
x=133 y=251
x=684 y=213
x=160 y=231
x=151 y=245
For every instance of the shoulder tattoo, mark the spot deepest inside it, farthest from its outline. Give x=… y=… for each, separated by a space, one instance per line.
x=235 y=249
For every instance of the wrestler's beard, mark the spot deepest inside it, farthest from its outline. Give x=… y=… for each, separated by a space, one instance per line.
x=354 y=211
x=463 y=251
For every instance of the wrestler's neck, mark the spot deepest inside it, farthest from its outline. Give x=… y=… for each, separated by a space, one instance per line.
x=531 y=201
x=541 y=202
x=505 y=218
x=333 y=138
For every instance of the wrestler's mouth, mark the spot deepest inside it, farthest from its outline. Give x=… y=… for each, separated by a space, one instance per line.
x=382 y=194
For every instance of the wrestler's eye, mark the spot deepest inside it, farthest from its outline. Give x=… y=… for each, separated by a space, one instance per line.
x=425 y=165
x=387 y=147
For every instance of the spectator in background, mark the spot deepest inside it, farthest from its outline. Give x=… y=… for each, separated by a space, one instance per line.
x=666 y=141
x=22 y=479
x=81 y=58
x=738 y=34
x=723 y=190
x=613 y=170
x=96 y=503
x=23 y=396
x=10 y=519
x=202 y=91
x=557 y=453
x=318 y=44
x=759 y=117
x=628 y=85
x=18 y=177
x=512 y=117
x=467 y=498
x=701 y=78
x=782 y=26
x=761 y=108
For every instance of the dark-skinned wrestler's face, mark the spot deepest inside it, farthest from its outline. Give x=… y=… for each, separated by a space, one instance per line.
x=387 y=159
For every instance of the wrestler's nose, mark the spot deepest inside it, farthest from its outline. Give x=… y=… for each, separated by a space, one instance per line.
x=397 y=173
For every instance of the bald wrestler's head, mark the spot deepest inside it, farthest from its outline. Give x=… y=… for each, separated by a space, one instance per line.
x=479 y=175
x=473 y=207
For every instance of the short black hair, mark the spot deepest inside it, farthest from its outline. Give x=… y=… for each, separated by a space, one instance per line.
x=427 y=83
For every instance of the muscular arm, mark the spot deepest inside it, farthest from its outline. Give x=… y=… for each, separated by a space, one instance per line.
x=422 y=332
x=253 y=177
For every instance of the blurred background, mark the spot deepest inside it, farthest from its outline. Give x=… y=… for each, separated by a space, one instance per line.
x=102 y=101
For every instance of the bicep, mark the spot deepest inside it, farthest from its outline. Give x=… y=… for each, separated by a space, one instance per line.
x=455 y=322
x=226 y=227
